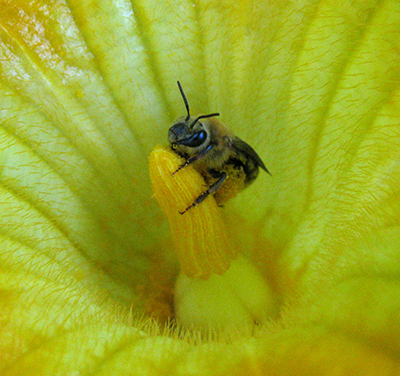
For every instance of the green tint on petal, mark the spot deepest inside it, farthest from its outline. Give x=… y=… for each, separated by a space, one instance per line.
x=73 y=154
x=117 y=35
x=354 y=151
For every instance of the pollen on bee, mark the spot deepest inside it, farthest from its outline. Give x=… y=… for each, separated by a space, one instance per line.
x=233 y=185
x=199 y=235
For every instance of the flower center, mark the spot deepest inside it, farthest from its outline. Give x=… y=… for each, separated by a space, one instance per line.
x=216 y=288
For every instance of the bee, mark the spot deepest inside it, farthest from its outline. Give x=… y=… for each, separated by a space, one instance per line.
x=215 y=152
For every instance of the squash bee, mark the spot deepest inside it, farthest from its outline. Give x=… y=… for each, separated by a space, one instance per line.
x=215 y=152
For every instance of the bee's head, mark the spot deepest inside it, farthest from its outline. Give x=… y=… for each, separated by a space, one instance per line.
x=187 y=135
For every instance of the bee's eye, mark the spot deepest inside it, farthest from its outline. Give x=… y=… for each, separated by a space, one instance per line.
x=196 y=140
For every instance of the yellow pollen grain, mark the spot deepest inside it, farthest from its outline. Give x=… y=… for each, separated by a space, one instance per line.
x=200 y=238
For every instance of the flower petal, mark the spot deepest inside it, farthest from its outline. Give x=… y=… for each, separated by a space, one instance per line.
x=88 y=88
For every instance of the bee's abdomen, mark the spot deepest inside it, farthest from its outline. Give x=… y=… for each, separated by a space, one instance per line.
x=249 y=167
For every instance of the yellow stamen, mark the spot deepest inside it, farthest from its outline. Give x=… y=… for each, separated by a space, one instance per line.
x=199 y=235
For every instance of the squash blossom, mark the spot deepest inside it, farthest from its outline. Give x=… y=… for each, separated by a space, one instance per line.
x=299 y=274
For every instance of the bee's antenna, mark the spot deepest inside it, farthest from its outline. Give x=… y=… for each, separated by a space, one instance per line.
x=203 y=117
x=185 y=100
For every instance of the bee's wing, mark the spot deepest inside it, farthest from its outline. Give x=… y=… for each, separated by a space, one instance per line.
x=246 y=149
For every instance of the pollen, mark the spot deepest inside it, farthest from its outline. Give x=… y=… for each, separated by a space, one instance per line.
x=233 y=185
x=199 y=235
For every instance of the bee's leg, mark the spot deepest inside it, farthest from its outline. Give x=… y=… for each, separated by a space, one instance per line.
x=212 y=189
x=195 y=158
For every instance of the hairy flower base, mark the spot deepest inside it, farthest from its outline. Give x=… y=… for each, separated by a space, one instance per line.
x=240 y=298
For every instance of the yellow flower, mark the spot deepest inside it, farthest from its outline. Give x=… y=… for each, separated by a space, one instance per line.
x=88 y=268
